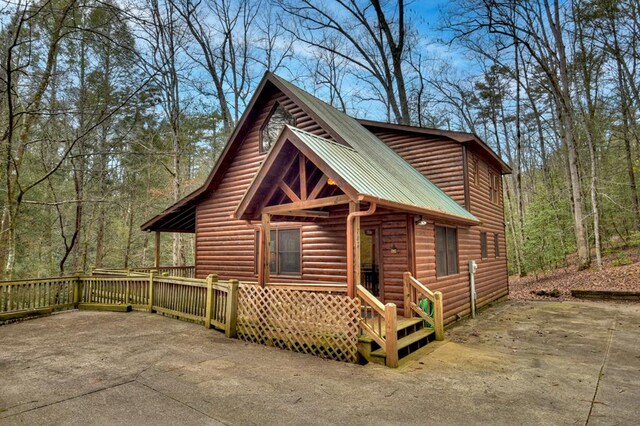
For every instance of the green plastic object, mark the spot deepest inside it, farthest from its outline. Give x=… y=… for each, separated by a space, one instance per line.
x=428 y=308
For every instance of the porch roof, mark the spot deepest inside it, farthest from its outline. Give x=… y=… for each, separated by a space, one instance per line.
x=365 y=178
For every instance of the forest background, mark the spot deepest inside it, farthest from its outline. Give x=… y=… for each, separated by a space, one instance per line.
x=110 y=110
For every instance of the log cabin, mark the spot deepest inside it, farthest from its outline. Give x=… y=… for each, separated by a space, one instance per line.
x=307 y=196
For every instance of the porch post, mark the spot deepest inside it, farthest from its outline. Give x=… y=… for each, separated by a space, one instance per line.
x=156 y=257
x=264 y=253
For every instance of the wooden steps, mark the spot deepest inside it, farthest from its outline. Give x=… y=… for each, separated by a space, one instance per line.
x=406 y=345
x=412 y=335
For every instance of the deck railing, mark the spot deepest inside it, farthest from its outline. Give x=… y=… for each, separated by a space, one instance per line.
x=427 y=304
x=37 y=295
x=115 y=290
x=310 y=318
x=210 y=302
x=380 y=323
x=171 y=271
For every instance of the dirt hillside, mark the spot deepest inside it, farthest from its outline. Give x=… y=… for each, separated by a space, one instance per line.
x=621 y=272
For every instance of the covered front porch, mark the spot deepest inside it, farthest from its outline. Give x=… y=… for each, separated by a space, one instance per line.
x=327 y=218
x=364 y=212
x=371 y=215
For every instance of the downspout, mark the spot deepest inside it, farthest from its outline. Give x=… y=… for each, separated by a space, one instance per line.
x=351 y=287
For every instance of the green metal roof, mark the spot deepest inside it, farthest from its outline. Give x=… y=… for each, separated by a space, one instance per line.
x=396 y=180
x=373 y=179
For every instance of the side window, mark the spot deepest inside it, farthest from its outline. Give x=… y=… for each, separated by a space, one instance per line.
x=483 y=245
x=475 y=170
x=273 y=126
x=288 y=251
x=446 y=251
x=284 y=251
x=496 y=244
x=494 y=187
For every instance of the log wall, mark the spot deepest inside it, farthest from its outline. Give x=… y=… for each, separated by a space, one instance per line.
x=227 y=246
x=442 y=161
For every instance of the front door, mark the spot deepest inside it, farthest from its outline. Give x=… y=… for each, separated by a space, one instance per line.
x=370 y=259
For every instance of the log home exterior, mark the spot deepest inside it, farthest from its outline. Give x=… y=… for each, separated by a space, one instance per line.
x=342 y=209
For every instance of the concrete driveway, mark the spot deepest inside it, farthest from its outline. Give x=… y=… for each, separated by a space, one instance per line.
x=518 y=363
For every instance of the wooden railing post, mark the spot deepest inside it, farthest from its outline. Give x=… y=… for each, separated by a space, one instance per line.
x=127 y=292
x=76 y=292
x=438 y=316
x=208 y=314
x=391 y=334
x=232 y=309
x=406 y=279
x=151 y=291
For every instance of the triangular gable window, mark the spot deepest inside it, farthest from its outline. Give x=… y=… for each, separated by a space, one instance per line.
x=278 y=118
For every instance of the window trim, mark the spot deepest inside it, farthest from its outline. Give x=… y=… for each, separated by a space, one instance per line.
x=273 y=109
x=277 y=273
x=435 y=244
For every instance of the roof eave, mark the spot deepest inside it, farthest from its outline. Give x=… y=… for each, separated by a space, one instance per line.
x=227 y=147
x=421 y=210
x=460 y=137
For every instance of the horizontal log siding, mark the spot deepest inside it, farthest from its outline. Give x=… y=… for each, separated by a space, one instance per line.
x=455 y=288
x=492 y=276
x=442 y=161
x=227 y=246
x=437 y=158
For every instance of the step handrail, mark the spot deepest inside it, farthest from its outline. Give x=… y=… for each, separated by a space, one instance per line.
x=414 y=292
x=373 y=307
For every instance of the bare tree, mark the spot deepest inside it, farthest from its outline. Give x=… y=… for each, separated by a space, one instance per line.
x=540 y=28
x=374 y=33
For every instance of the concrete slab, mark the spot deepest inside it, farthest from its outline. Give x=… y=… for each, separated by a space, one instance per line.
x=518 y=363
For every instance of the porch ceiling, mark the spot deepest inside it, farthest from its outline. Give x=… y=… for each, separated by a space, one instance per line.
x=178 y=219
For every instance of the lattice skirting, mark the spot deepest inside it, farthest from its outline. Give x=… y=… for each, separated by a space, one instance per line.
x=319 y=324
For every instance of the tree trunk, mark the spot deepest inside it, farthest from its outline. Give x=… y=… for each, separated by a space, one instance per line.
x=567 y=127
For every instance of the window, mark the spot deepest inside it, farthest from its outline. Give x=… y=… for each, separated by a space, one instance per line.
x=496 y=245
x=475 y=172
x=284 y=251
x=446 y=251
x=494 y=188
x=288 y=253
x=273 y=126
x=483 y=245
